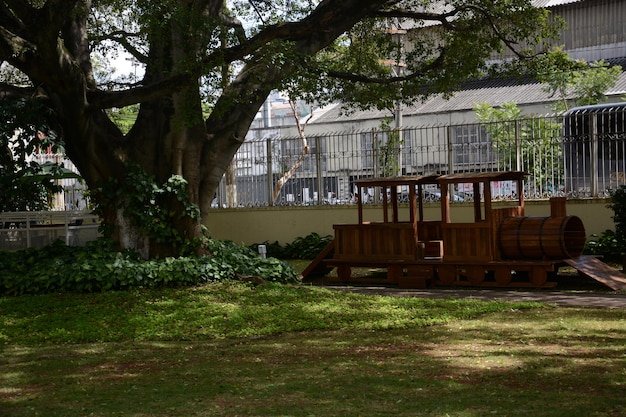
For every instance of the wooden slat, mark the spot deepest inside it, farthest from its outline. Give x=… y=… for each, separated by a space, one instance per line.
x=379 y=241
x=467 y=241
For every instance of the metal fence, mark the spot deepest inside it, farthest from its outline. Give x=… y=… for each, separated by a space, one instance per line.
x=73 y=196
x=577 y=155
x=36 y=229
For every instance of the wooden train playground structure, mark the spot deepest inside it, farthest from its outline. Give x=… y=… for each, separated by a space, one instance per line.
x=501 y=247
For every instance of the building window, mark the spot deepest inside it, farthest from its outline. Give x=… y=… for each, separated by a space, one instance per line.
x=471 y=146
x=407 y=148
x=367 y=150
x=310 y=161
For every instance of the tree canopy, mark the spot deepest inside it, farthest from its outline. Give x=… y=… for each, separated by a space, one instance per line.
x=227 y=56
x=25 y=184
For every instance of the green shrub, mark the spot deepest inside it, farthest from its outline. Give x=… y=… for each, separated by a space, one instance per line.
x=618 y=205
x=307 y=247
x=245 y=261
x=612 y=244
x=606 y=245
x=97 y=267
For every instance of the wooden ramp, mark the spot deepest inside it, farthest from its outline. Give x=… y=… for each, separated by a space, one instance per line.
x=317 y=267
x=598 y=270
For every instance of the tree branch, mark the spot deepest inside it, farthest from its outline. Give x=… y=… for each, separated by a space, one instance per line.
x=107 y=99
x=447 y=20
x=305 y=150
x=327 y=19
x=11 y=91
x=17 y=8
x=362 y=78
x=301 y=31
x=121 y=37
x=415 y=15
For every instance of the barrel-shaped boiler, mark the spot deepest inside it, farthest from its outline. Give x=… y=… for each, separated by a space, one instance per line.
x=559 y=237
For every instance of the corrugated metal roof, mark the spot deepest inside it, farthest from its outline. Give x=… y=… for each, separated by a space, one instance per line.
x=441 y=7
x=598 y=108
x=464 y=100
x=495 y=96
x=553 y=3
x=618 y=88
x=461 y=100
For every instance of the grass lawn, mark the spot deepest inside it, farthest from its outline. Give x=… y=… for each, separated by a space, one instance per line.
x=236 y=350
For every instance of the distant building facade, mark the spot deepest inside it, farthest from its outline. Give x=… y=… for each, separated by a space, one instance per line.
x=595 y=31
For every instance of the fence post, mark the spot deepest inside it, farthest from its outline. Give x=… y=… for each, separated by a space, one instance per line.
x=318 y=171
x=375 y=150
x=270 y=170
x=450 y=150
x=594 y=155
x=28 y=231
x=375 y=160
x=518 y=147
x=399 y=146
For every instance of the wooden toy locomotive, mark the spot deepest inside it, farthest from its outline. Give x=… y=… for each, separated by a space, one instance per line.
x=500 y=246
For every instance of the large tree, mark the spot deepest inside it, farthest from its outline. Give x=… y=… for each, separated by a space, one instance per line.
x=231 y=55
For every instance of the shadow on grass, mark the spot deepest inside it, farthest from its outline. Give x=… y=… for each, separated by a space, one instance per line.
x=216 y=311
x=540 y=362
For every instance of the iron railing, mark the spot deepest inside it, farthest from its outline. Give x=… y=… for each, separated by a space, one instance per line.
x=571 y=156
x=580 y=154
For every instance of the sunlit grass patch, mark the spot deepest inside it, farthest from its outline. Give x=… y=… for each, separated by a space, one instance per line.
x=232 y=349
x=220 y=310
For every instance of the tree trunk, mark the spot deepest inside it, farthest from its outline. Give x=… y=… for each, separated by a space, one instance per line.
x=170 y=136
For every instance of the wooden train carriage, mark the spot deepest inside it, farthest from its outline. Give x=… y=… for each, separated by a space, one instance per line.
x=391 y=242
x=497 y=246
x=391 y=238
x=410 y=244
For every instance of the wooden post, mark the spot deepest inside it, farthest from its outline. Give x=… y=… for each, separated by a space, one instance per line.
x=394 y=204
x=477 y=198
x=420 y=208
x=359 y=203
x=520 y=194
x=445 y=203
x=385 y=204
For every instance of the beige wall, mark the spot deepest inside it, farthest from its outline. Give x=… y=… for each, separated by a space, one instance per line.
x=271 y=224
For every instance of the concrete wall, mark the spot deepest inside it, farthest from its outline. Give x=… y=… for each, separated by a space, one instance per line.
x=271 y=224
